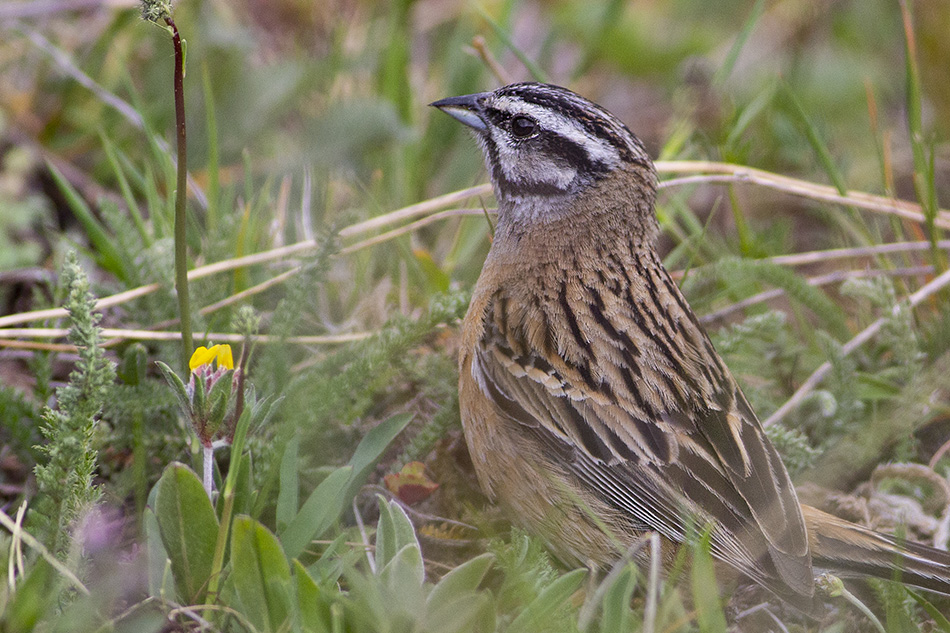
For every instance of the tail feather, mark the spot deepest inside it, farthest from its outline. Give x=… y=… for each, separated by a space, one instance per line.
x=847 y=549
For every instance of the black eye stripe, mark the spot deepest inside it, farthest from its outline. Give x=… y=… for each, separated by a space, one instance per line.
x=555 y=144
x=498 y=118
x=573 y=106
x=552 y=145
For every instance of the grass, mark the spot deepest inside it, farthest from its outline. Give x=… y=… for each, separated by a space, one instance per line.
x=334 y=227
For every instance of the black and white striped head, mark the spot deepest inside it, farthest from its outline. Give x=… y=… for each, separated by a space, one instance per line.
x=544 y=142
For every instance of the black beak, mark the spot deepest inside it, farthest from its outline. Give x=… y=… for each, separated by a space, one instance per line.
x=465 y=109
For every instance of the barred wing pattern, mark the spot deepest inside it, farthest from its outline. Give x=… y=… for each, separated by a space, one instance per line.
x=650 y=419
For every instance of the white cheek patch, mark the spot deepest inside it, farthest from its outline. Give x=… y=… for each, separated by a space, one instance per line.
x=598 y=150
x=530 y=167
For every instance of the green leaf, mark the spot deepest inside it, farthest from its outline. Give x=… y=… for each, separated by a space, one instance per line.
x=552 y=598
x=465 y=614
x=218 y=400
x=394 y=532
x=157 y=557
x=406 y=570
x=437 y=280
x=177 y=385
x=463 y=579
x=243 y=486
x=943 y=624
x=321 y=509
x=313 y=610
x=288 y=497
x=709 y=613
x=456 y=604
x=616 y=613
x=260 y=574
x=329 y=567
x=372 y=446
x=188 y=527
x=326 y=503
x=33 y=598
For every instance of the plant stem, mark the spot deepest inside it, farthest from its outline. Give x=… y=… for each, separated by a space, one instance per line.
x=181 y=196
x=208 y=463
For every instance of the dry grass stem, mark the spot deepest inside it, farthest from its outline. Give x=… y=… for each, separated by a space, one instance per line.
x=406 y=213
x=480 y=50
x=739 y=173
x=149 y=335
x=813 y=257
x=413 y=226
x=821 y=280
x=433 y=210
x=863 y=337
x=20 y=534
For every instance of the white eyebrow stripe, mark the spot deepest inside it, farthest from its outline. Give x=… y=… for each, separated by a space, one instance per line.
x=598 y=149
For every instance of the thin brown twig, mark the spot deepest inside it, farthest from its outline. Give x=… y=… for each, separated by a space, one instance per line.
x=248 y=292
x=939 y=454
x=478 y=46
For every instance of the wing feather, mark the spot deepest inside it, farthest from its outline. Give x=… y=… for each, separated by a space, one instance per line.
x=670 y=456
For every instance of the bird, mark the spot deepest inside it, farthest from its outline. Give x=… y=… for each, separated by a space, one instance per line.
x=593 y=403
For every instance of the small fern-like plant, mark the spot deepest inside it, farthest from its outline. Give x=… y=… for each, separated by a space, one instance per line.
x=65 y=481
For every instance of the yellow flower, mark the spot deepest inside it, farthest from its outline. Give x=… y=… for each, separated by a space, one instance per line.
x=205 y=356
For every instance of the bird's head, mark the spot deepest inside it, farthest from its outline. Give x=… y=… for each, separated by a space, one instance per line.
x=545 y=146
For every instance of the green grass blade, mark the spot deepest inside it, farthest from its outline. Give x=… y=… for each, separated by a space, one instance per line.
x=321 y=509
x=741 y=271
x=106 y=252
x=288 y=497
x=924 y=181
x=730 y=61
x=127 y=195
x=213 y=167
x=940 y=620
x=705 y=589
x=854 y=223
x=536 y=73
x=550 y=600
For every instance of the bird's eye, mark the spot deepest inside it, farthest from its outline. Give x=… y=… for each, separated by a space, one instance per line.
x=523 y=126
